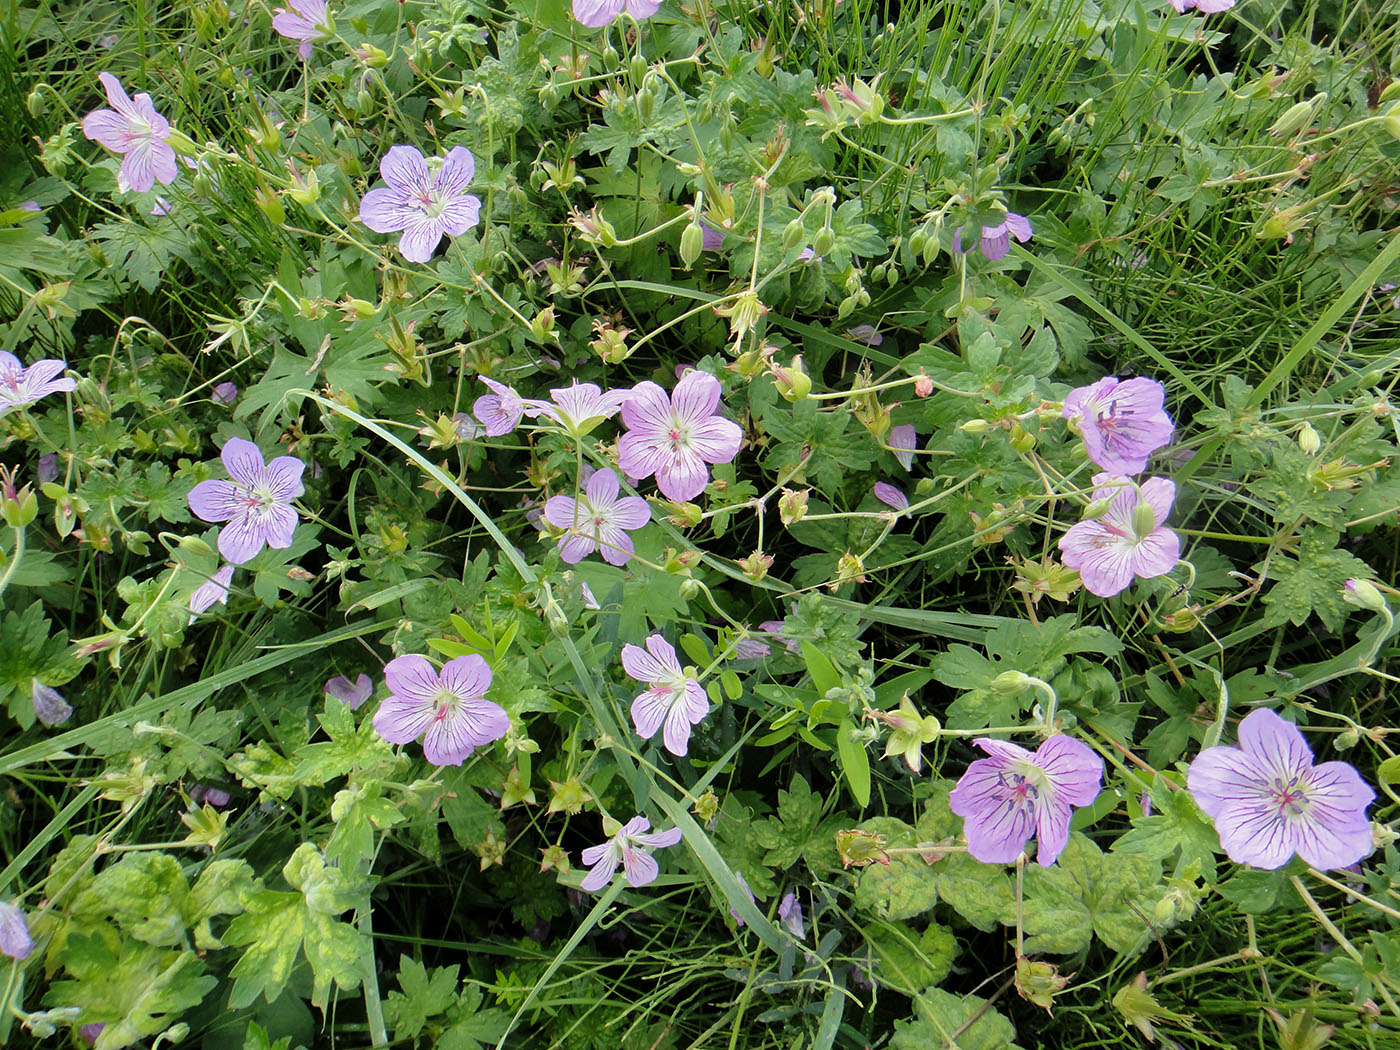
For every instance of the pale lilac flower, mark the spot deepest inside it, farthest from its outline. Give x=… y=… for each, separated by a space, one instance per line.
x=743 y=885
x=903 y=441
x=586 y=592
x=20 y=386
x=808 y=255
x=1206 y=7
x=1269 y=801
x=213 y=591
x=307 y=21
x=598 y=13
x=201 y=795
x=711 y=239
x=675 y=699
x=447 y=709
x=257 y=503
x=501 y=410
x=779 y=627
x=49 y=705
x=351 y=694
x=673 y=438
x=467 y=428
x=48 y=468
x=134 y=129
x=1015 y=794
x=867 y=334
x=1128 y=540
x=790 y=912
x=628 y=848
x=995 y=241
x=598 y=520
x=891 y=496
x=579 y=407
x=90 y=1032
x=752 y=649
x=14 y=932
x=224 y=393
x=1122 y=423
x=422 y=204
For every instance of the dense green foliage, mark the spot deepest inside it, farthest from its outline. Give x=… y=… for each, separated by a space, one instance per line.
x=1214 y=205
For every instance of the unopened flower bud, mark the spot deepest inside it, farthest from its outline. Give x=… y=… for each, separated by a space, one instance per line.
x=1309 y=440
x=1347 y=739
x=1364 y=595
x=793 y=235
x=756 y=565
x=923 y=387
x=1144 y=520
x=1298 y=116
x=692 y=243
x=824 y=241
x=1009 y=683
x=975 y=426
x=1097 y=509
x=1022 y=440
x=689 y=588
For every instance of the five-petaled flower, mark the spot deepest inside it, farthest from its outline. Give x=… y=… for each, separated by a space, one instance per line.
x=134 y=129
x=675 y=437
x=257 y=503
x=597 y=520
x=501 y=410
x=995 y=241
x=1122 y=423
x=212 y=592
x=675 y=700
x=579 y=407
x=448 y=709
x=423 y=204
x=1015 y=794
x=1128 y=540
x=1269 y=801
x=627 y=847
x=307 y=21
x=20 y=386
x=597 y=13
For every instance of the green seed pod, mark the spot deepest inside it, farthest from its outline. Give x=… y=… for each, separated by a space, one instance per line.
x=847 y=307
x=877 y=272
x=1144 y=520
x=638 y=69
x=646 y=104
x=364 y=102
x=793 y=235
x=692 y=242
x=610 y=57
x=35 y=103
x=916 y=241
x=930 y=251
x=892 y=276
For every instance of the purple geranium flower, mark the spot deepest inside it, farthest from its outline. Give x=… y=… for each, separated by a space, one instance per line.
x=743 y=885
x=202 y=795
x=351 y=694
x=790 y=912
x=711 y=239
x=49 y=705
x=628 y=848
x=675 y=437
x=134 y=129
x=579 y=407
x=1015 y=794
x=867 y=334
x=675 y=699
x=213 y=591
x=14 y=932
x=1122 y=423
x=48 y=468
x=996 y=238
x=903 y=441
x=257 y=503
x=598 y=13
x=891 y=496
x=448 y=709
x=307 y=21
x=1269 y=801
x=224 y=393
x=597 y=520
x=501 y=410
x=422 y=204
x=1128 y=540
x=20 y=386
